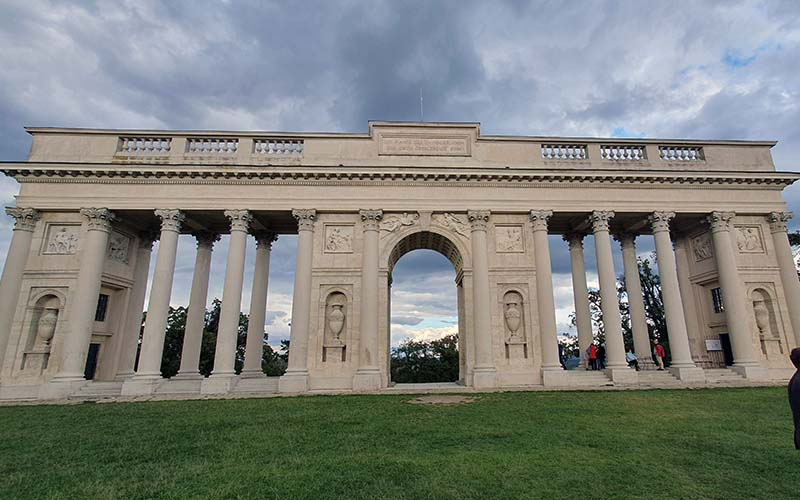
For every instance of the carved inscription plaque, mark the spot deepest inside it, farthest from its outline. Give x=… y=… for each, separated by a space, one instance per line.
x=422 y=145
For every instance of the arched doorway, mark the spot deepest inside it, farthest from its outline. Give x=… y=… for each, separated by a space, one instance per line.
x=426 y=240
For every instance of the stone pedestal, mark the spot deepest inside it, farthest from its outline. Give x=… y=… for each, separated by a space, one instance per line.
x=220 y=384
x=367 y=380
x=752 y=373
x=622 y=375
x=293 y=382
x=484 y=378
x=691 y=374
x=60 y=389
x=138 y=386
x=555 y=378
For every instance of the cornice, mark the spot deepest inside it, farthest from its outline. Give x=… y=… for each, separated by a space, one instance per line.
x=163 y=174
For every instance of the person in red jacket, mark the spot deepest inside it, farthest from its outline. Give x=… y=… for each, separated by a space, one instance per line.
x=592 y=357
x=658 y=350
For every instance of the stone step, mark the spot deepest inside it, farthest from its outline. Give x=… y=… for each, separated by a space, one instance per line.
x=657 y=378
x=98 y=390
x=178 y=386
x=256 y=385
x=722 y=375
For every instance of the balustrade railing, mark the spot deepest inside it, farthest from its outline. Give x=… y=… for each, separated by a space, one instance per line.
x=212 y=145
x=622 y=152
x=681 y=153
x=144 y=145
x=564 y=151
x=278 y=147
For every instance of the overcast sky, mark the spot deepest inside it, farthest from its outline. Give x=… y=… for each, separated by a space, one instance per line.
x=671 y=69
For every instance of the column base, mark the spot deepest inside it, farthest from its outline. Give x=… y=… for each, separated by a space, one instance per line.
x=187 y=376
x=294 y=382
x=623 y=375
x=140 y=386
x=368 y=379
x=218 y=384
x=555 y=377
x=647 y=364
x=252 y=374
x=752 y=373
x=688 y=374
x=122 y=377
x=484 y=378
x=60 y=389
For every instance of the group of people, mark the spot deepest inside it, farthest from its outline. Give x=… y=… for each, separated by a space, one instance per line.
x=596 y=356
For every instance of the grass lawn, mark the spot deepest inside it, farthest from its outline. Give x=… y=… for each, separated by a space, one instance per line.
x=720 y=443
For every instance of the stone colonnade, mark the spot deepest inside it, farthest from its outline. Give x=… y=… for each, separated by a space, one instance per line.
x=99 y=221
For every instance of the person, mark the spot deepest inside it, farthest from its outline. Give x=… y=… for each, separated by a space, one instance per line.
x=601 y=357
x=633 y=362
x=794 y=395
x=658 y=351
x=593 y=357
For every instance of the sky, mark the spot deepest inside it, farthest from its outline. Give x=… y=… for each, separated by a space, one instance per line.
x=667 y=69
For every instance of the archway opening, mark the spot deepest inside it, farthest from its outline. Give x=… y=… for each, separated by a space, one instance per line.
x=426 y=311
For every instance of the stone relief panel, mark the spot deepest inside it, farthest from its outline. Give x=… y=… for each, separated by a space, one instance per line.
x=456 y=223
x=749 y=239
x=390 y=223
x=62 y=239
x=508 y=239
x=118 y=247
x=338 y=238
x=702 y=247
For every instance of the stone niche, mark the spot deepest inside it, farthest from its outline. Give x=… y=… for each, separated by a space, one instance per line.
x=514 y=326
x=44 y=316
x=766 y=324
x=336 y=325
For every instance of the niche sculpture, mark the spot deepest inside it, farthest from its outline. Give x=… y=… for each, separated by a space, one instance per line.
x=335 y=327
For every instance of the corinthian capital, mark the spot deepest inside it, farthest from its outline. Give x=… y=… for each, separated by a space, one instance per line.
x=720 y=221
x=599 y=220
x=573 y=239
x=171 y=219
x=147 y=238
x=24 y=218
x=625 y=238
x=206 y=239
x=660 y=221
x=265 y=238
x=479 y=219
x=305 y=218
x=370 y=219
x=98 y=219
x=240 y=219
x=539 y=219
x=777 y=221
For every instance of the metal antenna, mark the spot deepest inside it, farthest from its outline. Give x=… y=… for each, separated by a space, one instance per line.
x=421 y=109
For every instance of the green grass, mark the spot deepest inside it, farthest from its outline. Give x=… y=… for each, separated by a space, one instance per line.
x=721 y=443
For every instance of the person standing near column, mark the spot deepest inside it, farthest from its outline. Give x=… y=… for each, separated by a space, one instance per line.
x=659 y=353
x=794 y=395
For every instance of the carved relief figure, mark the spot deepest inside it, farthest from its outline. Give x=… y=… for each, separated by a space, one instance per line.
x=702 y=247
x=392 y=222
x=512 y=313
x=509 y=238
x=748 y=239
x=118 y=245
x=453 y=222
x=63 y=241
x=339 y=239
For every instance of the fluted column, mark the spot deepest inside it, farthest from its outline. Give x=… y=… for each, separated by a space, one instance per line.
x=254 y=348
x=158 y=307
x=231 y=308
x=296 y=377
x=681 y=365
x=484 y=374
x=612 y=322
x=196 y=314
x=368 y=376
x=544 y=292
x=133 y=320
x=580 y=293
x=733 y=296
x=24 y=223
x=87 y=290
x=633 y=285
x=783 y=253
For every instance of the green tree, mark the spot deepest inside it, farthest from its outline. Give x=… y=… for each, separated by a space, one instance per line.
x=419 y=361
x=794 y=238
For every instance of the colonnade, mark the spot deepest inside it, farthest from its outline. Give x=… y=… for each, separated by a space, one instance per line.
x=98 y=222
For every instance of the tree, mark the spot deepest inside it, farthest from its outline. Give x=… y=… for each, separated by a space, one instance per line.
x=419 y=361
x=794 y=238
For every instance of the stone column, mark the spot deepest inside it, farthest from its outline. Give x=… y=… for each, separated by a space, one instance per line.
x=485 y=373
x=133 y=320
x=552 y=372
x=368 y=376
x=633 y=285
x=296 y=377
x=783 y=253
x=155 y=325
x=682 y=365
x=580 y=292
x=617 y=367
x=254 y=349
x=687 y=298
x=87 y=290
x=24 y=223
x=734 y=297
x=225 y=353
x=196 y=314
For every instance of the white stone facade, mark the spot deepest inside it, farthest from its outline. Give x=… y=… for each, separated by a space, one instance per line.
x=92 y=202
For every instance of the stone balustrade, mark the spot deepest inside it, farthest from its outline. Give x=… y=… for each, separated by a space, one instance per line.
x=212 y=145
x=278 y=147
x=681 y=153
x=564 y=151
x=622 y=152
x=144 y=145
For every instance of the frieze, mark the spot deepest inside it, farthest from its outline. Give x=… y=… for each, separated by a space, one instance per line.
x=118 y=247
x=390 y=223
x=508 y=239
x=749 y=239
x=338 y=238
x=702 y=247
x=62 y=239
x=455 y=223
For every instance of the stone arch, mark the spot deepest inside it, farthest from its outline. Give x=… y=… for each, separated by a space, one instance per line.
x=767 y=333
